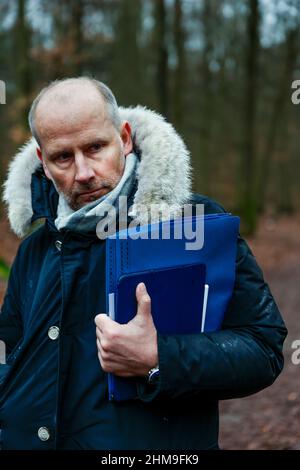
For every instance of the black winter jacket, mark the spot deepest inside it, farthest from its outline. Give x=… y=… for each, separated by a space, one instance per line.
x=54 y=393
x=58 y=384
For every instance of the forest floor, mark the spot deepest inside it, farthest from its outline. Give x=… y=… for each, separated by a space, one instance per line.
x=269 y=419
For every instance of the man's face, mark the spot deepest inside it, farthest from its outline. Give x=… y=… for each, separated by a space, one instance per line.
x=82 y=152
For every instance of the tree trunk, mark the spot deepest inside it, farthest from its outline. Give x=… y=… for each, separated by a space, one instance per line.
x=126 y=62
x=277 y=120
x=206 y=108
x=248 y=166
x=77 y=13
x=22 y=48
x=180 y=70
x=162 y=70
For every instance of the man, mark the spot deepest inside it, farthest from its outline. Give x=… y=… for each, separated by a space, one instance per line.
x=55 y=394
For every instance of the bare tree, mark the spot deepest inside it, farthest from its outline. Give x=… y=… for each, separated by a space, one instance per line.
x=248 y=164
x=77 y=15
x=160 y=44
x=278 y=116
x=206 y=117
x=22 y=52
x=126 y=57
x=180 y=70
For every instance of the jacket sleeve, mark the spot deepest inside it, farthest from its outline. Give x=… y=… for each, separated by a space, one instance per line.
x=242 y=358
x=11 y=329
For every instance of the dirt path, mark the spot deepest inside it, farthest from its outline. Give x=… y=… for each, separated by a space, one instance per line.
x=269 y=419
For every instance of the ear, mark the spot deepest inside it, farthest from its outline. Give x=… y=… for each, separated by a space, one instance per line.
x=39 y=154
x=126 y=137
x=40 y=157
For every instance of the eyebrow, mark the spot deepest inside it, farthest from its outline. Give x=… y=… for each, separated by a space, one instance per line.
x=97 y=140
x=54 y=154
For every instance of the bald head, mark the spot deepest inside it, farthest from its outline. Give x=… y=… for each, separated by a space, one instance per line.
x=65 y=100
x=83 y=143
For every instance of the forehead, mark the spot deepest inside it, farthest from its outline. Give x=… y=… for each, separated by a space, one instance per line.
x=69 y=112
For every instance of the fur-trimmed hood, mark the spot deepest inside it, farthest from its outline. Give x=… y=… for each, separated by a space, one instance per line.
x=164 y=174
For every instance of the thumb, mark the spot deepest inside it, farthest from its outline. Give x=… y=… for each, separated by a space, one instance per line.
x=143 y=299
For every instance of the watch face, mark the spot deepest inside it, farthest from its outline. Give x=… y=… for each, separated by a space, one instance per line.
x=154 y=377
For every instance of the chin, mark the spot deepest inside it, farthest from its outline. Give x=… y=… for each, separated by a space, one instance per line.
x=76 y=207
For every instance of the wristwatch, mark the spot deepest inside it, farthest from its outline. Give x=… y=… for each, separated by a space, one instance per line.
x=153 y=375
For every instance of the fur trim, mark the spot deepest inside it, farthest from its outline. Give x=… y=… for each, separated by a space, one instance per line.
x=164 y=174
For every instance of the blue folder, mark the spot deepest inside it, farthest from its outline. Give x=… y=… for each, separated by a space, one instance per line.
x=189 y=288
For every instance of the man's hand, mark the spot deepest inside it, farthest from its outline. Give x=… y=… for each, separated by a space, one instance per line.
x=130 y=349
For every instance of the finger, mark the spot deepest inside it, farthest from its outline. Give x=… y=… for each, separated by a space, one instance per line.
x=105 y=356
x=143 y=299
x=107 y=359
x=99 y=333
x=106 y=353
x=109 y=334
x=101 y=320
x=100 y=338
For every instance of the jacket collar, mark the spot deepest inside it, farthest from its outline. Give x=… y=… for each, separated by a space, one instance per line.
x=164 y=174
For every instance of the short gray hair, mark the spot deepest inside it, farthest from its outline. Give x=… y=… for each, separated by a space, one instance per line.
x=104 y=90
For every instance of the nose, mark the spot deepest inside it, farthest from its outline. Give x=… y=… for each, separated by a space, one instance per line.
x=84 y=172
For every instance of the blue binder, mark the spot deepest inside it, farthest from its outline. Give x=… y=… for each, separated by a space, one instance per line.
x=194 y=284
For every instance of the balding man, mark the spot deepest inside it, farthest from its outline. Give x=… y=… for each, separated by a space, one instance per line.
x=86 y=152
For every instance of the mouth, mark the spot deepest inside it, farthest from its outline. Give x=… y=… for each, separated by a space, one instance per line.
x=93 y=193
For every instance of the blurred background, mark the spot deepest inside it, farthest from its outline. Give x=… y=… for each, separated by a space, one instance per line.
x=221 y=71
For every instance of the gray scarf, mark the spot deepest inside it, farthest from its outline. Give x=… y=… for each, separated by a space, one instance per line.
x=86 y=219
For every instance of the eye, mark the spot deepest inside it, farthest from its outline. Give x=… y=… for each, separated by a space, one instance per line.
x=95 y=147
x=63 y=157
